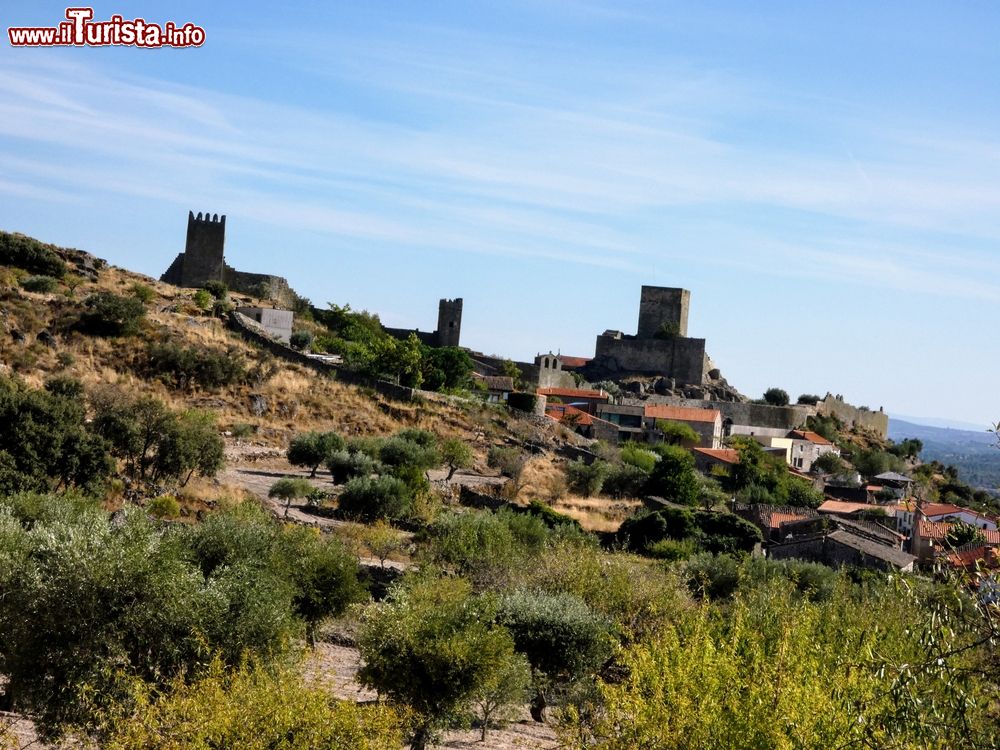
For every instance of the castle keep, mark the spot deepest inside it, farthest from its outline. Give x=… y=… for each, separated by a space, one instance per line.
x=203 y=261
x=660 y=346
x=449 y=326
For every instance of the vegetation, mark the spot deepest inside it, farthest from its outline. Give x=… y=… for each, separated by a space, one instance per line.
x=434 y=648
x=31 y=255
x=311 y=449
x=673 y=478
x=455 y=454
x=108 y=314
x=677 y=433
x=186 y=367
x=698 y=530
x=41 y=284
x=368 y=499
x=288 y=490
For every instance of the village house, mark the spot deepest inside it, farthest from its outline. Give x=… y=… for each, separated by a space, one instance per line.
x=584 y=399
x=707 y=423
x=806 y=447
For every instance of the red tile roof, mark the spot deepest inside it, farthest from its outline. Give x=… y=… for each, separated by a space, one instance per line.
x=939 y=530
x=985 y=557
x=812 y=437
x=726 y=455
x=777 y=519
x=569 y=414
x=572 y=393
x=681 y=413
x=573 y=361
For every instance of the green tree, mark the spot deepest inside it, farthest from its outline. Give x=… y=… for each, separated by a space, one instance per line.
x=456 y=454
x=432 y=646
x=776 y=397
x=677 y=433
x=446 y=367
x=563 y=640
x=288 y=489
x=344 y=465
x=586 y=479
x=310 y=449
x=674 y=478
x=300 y=339
x=368 y=499
x=961 y=533
x=202 y=299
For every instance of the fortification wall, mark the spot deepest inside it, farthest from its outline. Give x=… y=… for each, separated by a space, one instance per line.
x=743 y=413
x=256 y=283
x=680 y=358
x=877 y=421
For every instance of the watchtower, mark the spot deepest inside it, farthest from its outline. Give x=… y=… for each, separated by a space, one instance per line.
x=659 y=305
x=203 y=251
x=449 y=326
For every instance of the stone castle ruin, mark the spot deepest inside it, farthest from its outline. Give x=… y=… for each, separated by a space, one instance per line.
x=660 y=346
x=449 y=326
x=203 y=261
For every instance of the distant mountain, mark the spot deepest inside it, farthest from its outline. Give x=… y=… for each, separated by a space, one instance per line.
x=973 y=452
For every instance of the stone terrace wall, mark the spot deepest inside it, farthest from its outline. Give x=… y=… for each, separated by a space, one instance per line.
x=852 y=415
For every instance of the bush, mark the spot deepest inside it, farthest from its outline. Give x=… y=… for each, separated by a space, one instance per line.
x=40 y=284
x=31 y=255
x=217 y=289
x=586 y=479
x=625 y=480
x=808 y=399
x=252 y=707
x=164 y=506
x=639 y=457
x=677 y=433
x=202 y=299
x=109 y=314
x=672 y=550
x=522 y=401
x=143 y=293
x=344 y=466
x=186 y=367
x=830 y=463
x=368 y=499
x=776 y=397
x=433 y=646
x=510 y=462
x=481 y=546
x=673 y=478
x=289 y=489
x=399 y=453
x=552 y=518
x=301 y=340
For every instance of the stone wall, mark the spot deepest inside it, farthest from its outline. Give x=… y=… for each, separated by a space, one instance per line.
x=777 y=418
x=877 y=421
x=680 y=358
x=255 y=284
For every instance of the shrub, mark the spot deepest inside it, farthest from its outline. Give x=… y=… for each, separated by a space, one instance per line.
x=586 y=479
x=625 y=480
x=808 y=399
x=510 y=462
x=164 y=506
x=109 y=314
x=551 y=518
x=185 y=367
x=639 y=457
x=243 y=429
x=253 y=707
x=522 y=401
x=673 y=478
x=672 y=550
x=143 y=293
x=344 y=466
x=301 y=340
x=433 y=646
x=370 y=499
x=202 y=299
x=31 y=255
x=776 y=397
x=217 y=289
x=830 y=463
x=41 y=284
x=677 y=433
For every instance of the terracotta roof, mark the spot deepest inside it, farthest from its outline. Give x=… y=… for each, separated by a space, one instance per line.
x=726 y=455
x=840 y=506
x=570 y=414
x=572 y=393
x=942 y=509
x=812 y=437
x=776 y=519
x=985 y=557
x=932 y=530
x=681 y=413
x=573 y=361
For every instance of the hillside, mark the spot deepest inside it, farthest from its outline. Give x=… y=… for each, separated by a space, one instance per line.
x=974 y=454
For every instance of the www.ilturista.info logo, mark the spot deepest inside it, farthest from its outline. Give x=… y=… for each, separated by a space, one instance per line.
x=80 y=30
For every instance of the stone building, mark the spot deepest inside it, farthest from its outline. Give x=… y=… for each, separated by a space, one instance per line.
x=660 y=346
x=449 y=326
x=276 y=323
x=203 y=260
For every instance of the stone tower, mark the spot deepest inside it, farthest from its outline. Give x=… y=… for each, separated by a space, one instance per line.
x=449 y=327
x=203 y=251
x=659 y=305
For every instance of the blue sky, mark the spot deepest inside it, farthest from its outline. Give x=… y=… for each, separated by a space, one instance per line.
x=824 y=178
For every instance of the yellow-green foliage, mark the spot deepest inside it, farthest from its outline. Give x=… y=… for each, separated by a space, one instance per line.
x=251 y=708
x=776 y=670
